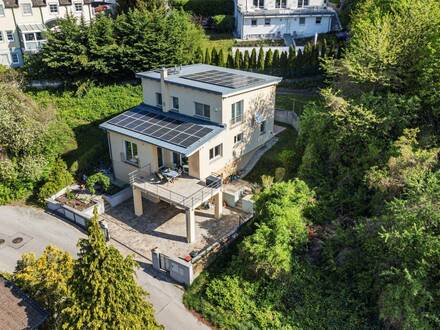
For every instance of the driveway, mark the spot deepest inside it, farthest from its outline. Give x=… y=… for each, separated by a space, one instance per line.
x=39 y=229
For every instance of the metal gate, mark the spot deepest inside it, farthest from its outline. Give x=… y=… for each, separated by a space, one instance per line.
x=164 y=262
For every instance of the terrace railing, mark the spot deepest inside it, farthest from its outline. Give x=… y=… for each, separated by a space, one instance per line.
x=144 y=175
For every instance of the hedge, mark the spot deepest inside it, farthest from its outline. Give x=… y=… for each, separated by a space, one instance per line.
x=208 y=8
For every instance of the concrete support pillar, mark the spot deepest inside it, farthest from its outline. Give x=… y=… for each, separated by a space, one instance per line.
x=190 y=226
x=137 y=199
x=218 y=203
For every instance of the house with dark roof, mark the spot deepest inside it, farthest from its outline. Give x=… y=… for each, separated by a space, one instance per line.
x=197 y=125
x=17 y=310
x=23 y=24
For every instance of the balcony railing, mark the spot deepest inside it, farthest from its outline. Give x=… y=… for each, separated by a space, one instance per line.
x=34 y=46
x=236 y=120
x=142 y=177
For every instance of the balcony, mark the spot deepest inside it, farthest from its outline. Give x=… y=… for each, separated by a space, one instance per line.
x=185 y=191
x=34 y=46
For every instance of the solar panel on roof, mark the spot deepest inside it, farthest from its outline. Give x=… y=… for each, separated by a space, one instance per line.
x=225 y=79
x=162 y=127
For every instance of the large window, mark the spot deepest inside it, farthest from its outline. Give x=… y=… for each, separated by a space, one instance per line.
x=318 y=20
x=280 y=3
x=203 y=110
x=237 y=112
x=267 y=21
x=216 y=152
x=159 y=100
x=302 y=20
x=175 y=103
x=10 y=35
x=259 y=3
x=2 y=10
x=26 y=8
x=131 y=152
x=53 y=8
x=303 y=3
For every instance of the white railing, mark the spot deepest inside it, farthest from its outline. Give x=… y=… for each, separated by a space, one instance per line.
x=144 y=174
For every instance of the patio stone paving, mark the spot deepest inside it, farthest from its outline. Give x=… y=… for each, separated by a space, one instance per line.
x=164 y=226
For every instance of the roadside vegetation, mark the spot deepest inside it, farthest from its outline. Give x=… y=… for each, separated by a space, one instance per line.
x=96 y=291
x=369 y=152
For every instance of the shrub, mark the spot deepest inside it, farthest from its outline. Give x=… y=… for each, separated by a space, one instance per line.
x=210 y=7
x=60 y=177
x=223 y=23
x=98 y=178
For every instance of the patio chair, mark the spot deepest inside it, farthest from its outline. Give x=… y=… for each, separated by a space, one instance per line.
x=160 y=176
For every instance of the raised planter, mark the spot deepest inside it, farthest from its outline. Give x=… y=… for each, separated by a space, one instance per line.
x=119 y=197
x=78 y=217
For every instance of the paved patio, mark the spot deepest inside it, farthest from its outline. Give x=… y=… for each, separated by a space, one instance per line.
x=164 y=226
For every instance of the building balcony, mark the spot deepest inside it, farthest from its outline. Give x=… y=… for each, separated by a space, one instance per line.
x=34 y=46
x=183 y=191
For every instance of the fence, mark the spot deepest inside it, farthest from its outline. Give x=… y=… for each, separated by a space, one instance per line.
x=287 y=117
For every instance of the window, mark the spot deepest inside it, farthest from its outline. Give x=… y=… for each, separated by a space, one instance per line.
x=177 y=159
x=15 y=58
x=302 y=20
x=254 y=22
x=267 y=21
x=39 y=36
x=2 y=10
x=318 y=20
x=280 y=3
x=237 y=112
x=203 y=110
x=29 y=37
x=131 y=152
x=1 y=37
x=26 y=8
x=259 y=3
x=10 y=35
x=78 y=7
x=238 y=138
x=303 y=3
x=215 y=152
x=175 y=103
x=53 y=8
x=263 y=127
x=159 y=100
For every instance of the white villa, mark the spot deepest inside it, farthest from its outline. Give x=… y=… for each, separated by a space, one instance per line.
x=197 y=124
x=23 y=23
x=275 y=19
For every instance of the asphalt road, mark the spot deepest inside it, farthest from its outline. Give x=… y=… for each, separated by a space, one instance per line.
x=40 y=229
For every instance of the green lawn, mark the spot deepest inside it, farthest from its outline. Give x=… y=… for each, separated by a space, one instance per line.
x=83 y=114
x=294 y=102
x=282 y=154
x=223 y=41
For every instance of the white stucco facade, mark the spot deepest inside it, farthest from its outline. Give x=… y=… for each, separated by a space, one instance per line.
x=255 y=127
x=23 y=22
x=272 y=19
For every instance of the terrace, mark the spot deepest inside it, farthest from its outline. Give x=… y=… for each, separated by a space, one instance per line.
x=184 y=192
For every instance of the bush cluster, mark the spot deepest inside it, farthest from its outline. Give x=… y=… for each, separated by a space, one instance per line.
x=207 y=8
x=289 y=64
x=109 y=49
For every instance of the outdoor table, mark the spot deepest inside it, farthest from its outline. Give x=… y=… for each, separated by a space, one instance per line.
x=170 y=173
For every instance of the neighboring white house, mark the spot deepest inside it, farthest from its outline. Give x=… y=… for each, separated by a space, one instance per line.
x=272 y=19
x=23 y=23
x=200 y=118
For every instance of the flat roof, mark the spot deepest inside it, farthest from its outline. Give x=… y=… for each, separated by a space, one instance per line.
x=223 y=81
x=17 y=310
x=173 y=131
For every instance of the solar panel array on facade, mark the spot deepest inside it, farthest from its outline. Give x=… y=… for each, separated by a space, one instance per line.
x=221 y=78
x=161 y=127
